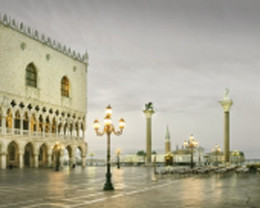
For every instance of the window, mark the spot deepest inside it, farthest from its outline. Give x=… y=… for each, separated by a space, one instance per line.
x=31 y=76
x=65 y=87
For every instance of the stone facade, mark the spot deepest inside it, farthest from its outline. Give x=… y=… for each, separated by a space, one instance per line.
x=42 y=99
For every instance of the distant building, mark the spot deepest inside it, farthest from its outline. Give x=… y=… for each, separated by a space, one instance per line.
x=183 y=156
x=235 y=157
x=167 y=141
x=168 y=157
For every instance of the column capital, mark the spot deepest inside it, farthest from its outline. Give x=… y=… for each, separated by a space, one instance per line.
x=148 y=113
x=226 y=104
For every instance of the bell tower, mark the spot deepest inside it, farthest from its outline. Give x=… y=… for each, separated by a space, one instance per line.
x=167 y=141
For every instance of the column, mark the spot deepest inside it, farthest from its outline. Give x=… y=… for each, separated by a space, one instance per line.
x=226 y=103
x=21 y=160
x=43 y=129
x=57 y=128
x=74 y=134
x=72 y=159
x=148 y=113
x=21 y=125
x=30 y=129
x=36 y=160
x=49 y=134
x=61 y=159
x=83 y=161
x=3 y=124
x=49 y=161
x=13 y=121
x=83 y=134
x=3 y=161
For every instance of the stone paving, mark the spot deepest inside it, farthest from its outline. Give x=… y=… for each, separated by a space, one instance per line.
x=134 y=187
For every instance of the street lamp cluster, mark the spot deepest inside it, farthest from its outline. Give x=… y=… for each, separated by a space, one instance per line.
x=191 y=144
x=108 y=129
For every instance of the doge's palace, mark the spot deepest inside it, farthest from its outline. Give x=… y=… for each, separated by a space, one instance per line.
x=43 y=97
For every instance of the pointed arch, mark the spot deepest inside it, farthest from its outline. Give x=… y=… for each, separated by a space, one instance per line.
x=43 y=155
x=12 y=159
x=53 y=126
x=78 y=155
x=33 y=123
x=9 y=119
x=65 y=87
x=47 y=124
x=28 y=155
x=17 y=120
x=41 y=123
x=31 y=75
x=25 y=121
x=77 y=128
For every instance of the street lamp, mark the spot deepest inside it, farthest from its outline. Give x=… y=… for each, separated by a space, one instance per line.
x=191 y=144
x=216 y=150
x=92 y=154
x=108 y=129
x=118 y=152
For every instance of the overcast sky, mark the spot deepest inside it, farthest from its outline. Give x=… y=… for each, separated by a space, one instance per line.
x=180 y=55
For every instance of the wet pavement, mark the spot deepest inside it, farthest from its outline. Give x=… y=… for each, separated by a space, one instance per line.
x=134 y=187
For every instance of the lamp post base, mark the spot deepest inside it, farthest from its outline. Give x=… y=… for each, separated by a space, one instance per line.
x=108 y=185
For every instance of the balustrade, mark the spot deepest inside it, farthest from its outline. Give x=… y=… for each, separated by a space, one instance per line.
x=61 y=135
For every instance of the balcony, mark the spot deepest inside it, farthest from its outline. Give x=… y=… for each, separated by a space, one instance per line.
x=40 y=134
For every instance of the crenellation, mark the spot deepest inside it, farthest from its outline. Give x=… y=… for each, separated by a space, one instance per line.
x=5 y=19
x=53 y=44
x=29 y=31
x=69 y=51
x=14 y=24
x=43 y=38
x=48 y=41
x=74 y=54
x=64 y=49
x=21 y=27
x=36 y=34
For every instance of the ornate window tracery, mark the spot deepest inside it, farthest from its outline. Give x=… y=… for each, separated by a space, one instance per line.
x=31 y=75
x=65 y=87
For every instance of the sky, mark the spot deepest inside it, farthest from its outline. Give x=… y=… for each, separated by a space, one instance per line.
x=180 y=55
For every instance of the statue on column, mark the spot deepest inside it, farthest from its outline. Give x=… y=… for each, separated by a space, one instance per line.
x=149 y=106
x=226 y=94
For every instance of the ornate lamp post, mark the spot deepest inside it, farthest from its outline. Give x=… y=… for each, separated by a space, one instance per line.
x=216 y=150
x=191 y=144
x=108 y=129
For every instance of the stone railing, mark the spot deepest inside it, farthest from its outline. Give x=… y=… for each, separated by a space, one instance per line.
x=39 y=134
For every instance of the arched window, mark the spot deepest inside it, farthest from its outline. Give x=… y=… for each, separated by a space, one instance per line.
x=65 y=87
x=31 y=75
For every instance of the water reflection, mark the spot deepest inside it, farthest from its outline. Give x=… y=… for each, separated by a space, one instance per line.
x=56 y=184
x=91 y=172
x=118 y=177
